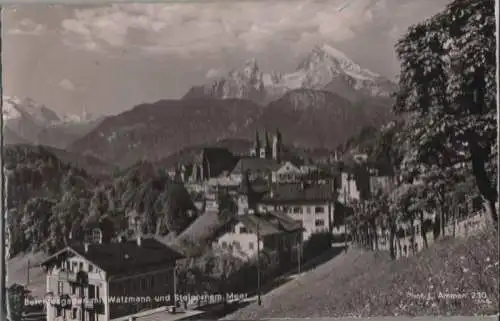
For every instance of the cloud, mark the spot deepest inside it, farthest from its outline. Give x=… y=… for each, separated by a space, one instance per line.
x=27 y=27
x=214 y=73
x=67 y=85
x=192 y=28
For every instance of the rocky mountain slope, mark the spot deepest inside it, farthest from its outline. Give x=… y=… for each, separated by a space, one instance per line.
x=307 y=119
x=154 y=131
x=321 y=105
x=324 y=68
x=319 y=119
x=27 y=121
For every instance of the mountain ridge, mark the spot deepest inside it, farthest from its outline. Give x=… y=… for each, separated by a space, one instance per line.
x=324 y=68
x=28 y=121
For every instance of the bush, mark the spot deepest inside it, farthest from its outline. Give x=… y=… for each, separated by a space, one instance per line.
x=317 y=244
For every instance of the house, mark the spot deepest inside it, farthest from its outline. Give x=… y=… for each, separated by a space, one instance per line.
x=103 y=282
x=287 y=173
x=256 y=168
x=277 y=235
x=268 y=150
x=311 y=204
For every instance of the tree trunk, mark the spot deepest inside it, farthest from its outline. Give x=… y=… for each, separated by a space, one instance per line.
x=413 y=237
x=375 y=236
x=492 y=211
x=423 y=230
x=400 y=249
x=488 y=191
x=392 y=243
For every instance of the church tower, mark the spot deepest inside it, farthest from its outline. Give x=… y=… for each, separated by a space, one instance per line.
x=277 y=146
x=268 y=150
x=256 y=146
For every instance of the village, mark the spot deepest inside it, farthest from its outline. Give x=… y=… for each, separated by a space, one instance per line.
x=272 y=204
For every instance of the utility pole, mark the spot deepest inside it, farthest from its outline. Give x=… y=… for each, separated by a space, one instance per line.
x=259 y=300
x=345 y=219
x=28 y=273
x=175 y=287
x=299 y=249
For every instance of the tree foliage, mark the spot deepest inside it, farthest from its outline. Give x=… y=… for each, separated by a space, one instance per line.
x=49 y=201
x=448 y=87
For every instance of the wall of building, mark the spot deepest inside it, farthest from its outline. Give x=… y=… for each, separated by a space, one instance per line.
x=145 y=291
x=348 y=189
x=308 y=214
x=58 y=283
x=242 y=244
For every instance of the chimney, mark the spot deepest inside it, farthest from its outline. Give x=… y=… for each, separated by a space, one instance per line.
x=86 y=247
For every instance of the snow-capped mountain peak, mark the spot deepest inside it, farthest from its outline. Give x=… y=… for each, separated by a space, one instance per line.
x=9 y=110
x=324 y=68
x=327 y=57
x=14 y=107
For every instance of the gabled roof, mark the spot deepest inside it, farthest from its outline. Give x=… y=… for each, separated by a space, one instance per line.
x=300 y=192
x=267 y=223
x=254 y=222
x=254 y=164
x=120 y=257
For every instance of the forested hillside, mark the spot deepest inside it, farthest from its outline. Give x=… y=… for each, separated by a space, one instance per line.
x=48 y=199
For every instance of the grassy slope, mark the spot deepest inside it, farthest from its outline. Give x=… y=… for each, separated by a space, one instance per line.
x=369 y=284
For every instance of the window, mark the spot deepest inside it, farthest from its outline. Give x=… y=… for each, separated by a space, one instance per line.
x=224 y=244
x=308 y=210
x=250 y=245
x=297 y=210
x=73 y=289
x=237 y=245
x=60 y=287
x=74 y=313
x=319 y=209
x=91 y=268
x=58 y=312
x=97 y=292
x=243 y=230
x=75 y=266
x=97 y=236
x=91 y=291
x=319 y=223
x=81 y=266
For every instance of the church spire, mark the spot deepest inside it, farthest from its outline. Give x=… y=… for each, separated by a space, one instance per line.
x=256 y=144
x=267 y=147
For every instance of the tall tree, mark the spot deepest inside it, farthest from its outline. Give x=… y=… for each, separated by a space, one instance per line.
x=16 y=295
x=448 y=85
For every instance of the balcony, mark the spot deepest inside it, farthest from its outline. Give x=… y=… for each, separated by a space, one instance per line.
x=95 y=305
x=68 y=276
x=90 y=304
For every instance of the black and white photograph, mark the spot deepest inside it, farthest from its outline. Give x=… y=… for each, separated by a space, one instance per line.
x=249 y=160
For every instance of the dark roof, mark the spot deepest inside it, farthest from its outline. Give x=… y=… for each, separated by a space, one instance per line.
x=268 y=223
x=285 y=222
x=254 y=165
x=219 y=160
x=299 y=192
x=124 y=257
x=252 y=221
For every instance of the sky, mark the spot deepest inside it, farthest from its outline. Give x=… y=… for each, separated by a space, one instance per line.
x=107 y=59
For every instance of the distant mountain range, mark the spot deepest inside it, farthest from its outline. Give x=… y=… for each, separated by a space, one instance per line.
x=322 y=104
x=27 y=121
x=325 y=68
